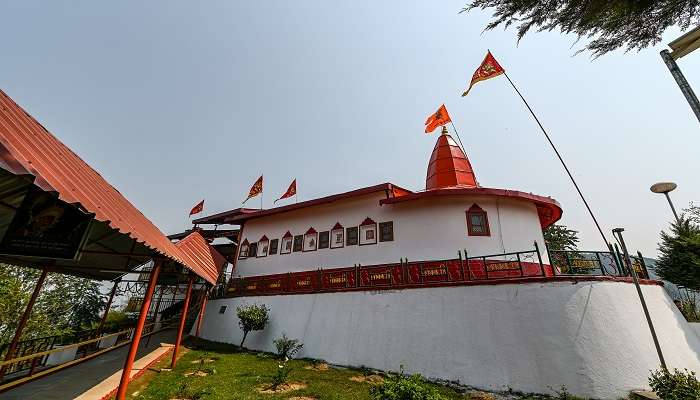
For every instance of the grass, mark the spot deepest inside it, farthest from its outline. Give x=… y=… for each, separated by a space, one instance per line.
x=239 y=375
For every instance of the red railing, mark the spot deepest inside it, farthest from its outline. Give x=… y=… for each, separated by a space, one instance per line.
x=405 y=274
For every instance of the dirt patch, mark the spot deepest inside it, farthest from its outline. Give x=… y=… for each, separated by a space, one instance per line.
x=203 y=360
x=318 y=367
x=302 y=398
x=283 y=388
x=371 y=379
x=197 y=373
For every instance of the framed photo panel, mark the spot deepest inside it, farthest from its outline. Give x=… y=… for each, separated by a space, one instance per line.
x=324 y=239
x=368 y=232
x=253 y=250
x=310 y=240
x=286 y=247
x=244 y=250
x=337 y=236
x=263 y=246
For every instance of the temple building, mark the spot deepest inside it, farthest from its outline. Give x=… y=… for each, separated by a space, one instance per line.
x=454 y=282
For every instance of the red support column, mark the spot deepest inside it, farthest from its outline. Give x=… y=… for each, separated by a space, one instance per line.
x=183 y=317
x=133 y=348
x=23 y=321
x=201 y=313
x=109 y=304
x=155 y=315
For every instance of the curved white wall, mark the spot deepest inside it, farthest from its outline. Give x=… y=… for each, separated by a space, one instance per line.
x=423 y=230
x=590 y=336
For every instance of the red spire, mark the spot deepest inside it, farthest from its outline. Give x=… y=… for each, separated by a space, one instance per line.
x=448 y=166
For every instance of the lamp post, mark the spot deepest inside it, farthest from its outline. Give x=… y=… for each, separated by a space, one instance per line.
x=681 y=47
x=665 y=188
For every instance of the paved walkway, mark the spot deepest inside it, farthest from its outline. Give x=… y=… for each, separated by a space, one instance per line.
x=74 y=381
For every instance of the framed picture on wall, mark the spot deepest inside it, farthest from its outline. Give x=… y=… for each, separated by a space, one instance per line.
x=263 y=246
x=351 y=236
x=244 y=250
x=324 y=239
x=368 y=232
x=298 y=243
x=310 y=240
x=286 y=243
x=337 y=236
x=273 y=246
x=386 y=231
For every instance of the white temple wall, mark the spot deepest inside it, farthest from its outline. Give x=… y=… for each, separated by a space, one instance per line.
x=424 y=229
x=589 y=336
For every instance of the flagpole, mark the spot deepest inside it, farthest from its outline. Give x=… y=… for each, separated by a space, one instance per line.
x=560 y=159
x=458 y=138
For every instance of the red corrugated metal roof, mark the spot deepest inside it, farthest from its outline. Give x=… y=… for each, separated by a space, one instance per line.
x=449 y=166
x=202 y=255
x=27 y=147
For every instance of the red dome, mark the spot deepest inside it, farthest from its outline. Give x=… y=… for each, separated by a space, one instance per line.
x=448 y=166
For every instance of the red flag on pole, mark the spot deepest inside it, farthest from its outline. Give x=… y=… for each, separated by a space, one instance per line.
x=440 y=118
x=489 y=68
x=197 y=209
x=291 y=191
x=255 y=190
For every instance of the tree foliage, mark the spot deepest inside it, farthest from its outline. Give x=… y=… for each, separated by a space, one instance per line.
x=613 y=24
x=679 y=250
x=558 y=237
x=65 y=303
x=252 y=317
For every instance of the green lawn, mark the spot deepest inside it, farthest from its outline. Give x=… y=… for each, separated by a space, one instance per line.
x=238 y=375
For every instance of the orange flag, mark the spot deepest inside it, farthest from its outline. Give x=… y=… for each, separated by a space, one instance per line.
x=440 y=118
x=291 y=191
x=256 y=189
x=197 y=209
x=489 y=68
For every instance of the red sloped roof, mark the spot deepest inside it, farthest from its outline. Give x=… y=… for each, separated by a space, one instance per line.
x=27 y=147
x=201 y=255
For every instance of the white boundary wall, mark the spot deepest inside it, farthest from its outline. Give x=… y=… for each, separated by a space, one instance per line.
x=590 y=336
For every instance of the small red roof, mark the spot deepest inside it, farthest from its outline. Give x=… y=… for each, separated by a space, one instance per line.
x=448 y=166
x=202 y=258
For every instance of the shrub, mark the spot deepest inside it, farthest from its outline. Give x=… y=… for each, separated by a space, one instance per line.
x=281 y=375
x=401 y=387
x=252 y=317
x=286 y=347
x=676 y=385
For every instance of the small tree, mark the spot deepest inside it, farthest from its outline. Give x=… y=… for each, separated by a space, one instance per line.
x=559 y=237
x=252 y=317
x=679 y=262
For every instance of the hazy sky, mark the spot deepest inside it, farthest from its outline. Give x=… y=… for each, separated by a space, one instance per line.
x=174 y=101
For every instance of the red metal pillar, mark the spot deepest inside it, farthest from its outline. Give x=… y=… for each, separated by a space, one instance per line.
x=201 y=313
x=183 y=317
x=133 y=348
x=23 y=321
x=155 y=315
x=109 y=304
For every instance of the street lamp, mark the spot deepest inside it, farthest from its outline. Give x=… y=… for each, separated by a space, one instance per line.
x=681 y=47
x=665 y=188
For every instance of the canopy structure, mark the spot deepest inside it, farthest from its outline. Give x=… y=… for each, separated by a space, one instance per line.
x=57 y=212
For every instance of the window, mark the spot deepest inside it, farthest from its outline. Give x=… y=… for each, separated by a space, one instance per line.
x=298 y=243
x=477 y=222
x=222 y=309
x=273 y=246
x=253 y=250
x=324 y=239
x=351 y=236
x=386 y=231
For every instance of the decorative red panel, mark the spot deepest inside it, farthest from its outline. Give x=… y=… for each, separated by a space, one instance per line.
x=435 y=272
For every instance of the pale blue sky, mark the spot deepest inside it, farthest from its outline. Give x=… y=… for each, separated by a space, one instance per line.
x=173 y=101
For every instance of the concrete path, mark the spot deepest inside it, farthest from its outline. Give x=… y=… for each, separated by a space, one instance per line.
x=74 y=381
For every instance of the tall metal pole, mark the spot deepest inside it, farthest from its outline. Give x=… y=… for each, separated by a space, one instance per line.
x=546 y=135
x=183 y=318
x=23 y=320
x=628 y=262
x=670 y=203
x=682 y=82
x=133 y=348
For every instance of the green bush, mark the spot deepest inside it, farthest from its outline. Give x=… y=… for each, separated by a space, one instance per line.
x=252 y=317
x=286 y=347
x=676 y=385
x=401 y=387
